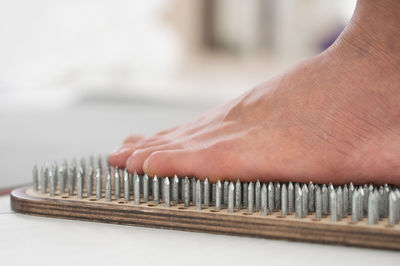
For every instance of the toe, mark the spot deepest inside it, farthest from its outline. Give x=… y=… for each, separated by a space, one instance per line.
x=119 y=156
x=168 y=163
x=151 y=142
x=200 y=163
x=159 y=138
x=136 y=160
x=133 y=139
x=165 y=132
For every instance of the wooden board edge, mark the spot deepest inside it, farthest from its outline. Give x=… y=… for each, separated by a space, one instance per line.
x=202 y=222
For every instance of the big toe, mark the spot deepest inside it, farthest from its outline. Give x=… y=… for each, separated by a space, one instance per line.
x=199 y=163
x=136 y=160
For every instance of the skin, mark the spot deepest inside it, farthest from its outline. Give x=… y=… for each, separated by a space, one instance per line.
x=334 y=117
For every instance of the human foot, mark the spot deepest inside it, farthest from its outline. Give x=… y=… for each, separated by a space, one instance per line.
x=334 y=118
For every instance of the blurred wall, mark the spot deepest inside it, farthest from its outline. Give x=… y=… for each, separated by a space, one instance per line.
x=54 y=53
x=283 y=27
x=57 y=46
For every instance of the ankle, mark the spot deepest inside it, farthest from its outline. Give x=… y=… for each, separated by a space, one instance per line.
x=373 y=32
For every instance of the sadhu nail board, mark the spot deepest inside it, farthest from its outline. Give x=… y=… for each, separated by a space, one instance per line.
x=364 y=216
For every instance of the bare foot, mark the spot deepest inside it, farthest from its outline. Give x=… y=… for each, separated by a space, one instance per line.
x=334 y=117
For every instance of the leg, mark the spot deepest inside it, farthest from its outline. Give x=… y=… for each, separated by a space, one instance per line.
x=334 y=117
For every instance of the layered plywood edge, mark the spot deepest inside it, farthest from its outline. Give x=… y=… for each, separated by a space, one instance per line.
x=273 y=226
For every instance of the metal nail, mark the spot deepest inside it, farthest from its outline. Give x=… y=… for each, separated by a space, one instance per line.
x=351 y=191
x=161 y=181
x=376 y=206
x=226 y=188
x=198 y=195
x=89 y=181
x=271 y=197
x=245 y=194
x=371 y=208
x=330 y=188
x=213 y=189
x=386 y=191
x=126 y=186
x=264 y=200
x=345 y=201
x=180 y=189
x=161 y=187
x=146 y=188
x=52 y=181
x=175 y=190
x=277 y=195
x=257 y=196
x=166 y=192
x=355 y=207
x=381 y=202
x=290 y=198
x=55 y=173
x=117 y=184
x=284 y=200
x=339 y=203
x=79 y=181
x=393 y=202
x=333 y=205
x=35 y=178
x=250 y=197
x=98 y=183
x=231 y=196
x=83 y=167
x=371 y=188
x=206 y=193
x=325 y=200
x=71 y=181
x=156 y=190
x=193 y=189
x=202 y=192
x=186 y=192
x=136 y=189
x=365 y=199
x=238 y=195
x=62 y=178
x=304 y=191
x=318 y=202
x=298 y=202
x=361 y=196
x=218 y=196
x=311 y=197
x=108 y=186
x=42 y=180
x=397 y=193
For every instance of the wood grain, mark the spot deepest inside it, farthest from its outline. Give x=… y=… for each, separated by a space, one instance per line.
x=380 y=236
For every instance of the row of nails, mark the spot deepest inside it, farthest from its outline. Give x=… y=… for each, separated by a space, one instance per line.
x=375 y=202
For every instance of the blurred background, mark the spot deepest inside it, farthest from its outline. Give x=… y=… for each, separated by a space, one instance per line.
x=77 y=76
